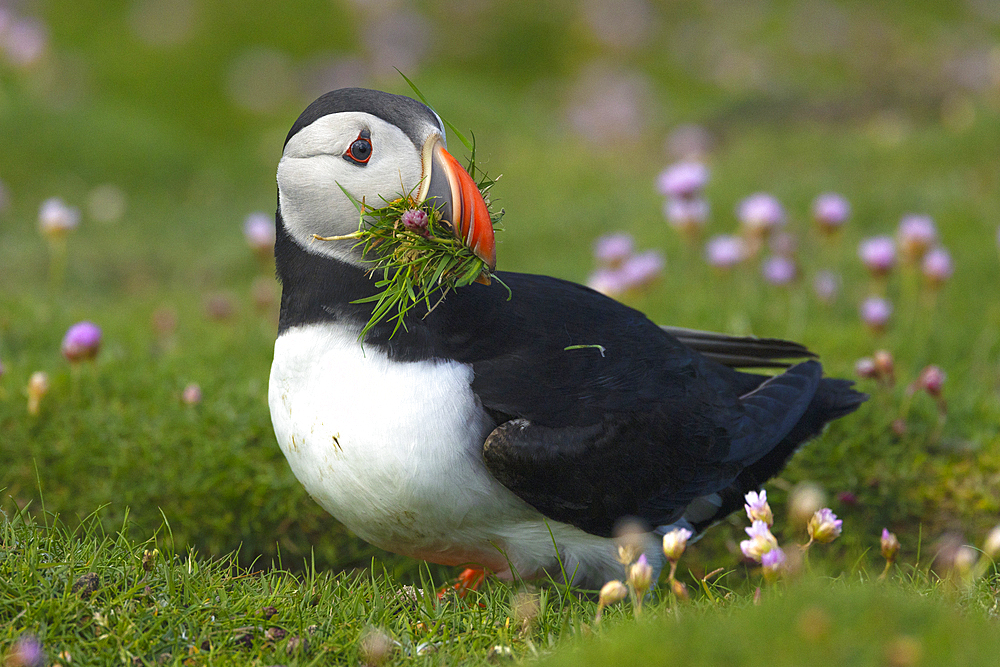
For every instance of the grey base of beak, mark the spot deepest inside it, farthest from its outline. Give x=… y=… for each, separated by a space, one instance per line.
x=439 y=192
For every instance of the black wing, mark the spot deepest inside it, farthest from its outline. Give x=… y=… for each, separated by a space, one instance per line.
x=602 y=413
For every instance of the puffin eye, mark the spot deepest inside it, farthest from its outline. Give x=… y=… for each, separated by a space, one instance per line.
x=361 y=150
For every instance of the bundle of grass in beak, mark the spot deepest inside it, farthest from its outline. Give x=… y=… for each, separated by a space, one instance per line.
x=419 y=256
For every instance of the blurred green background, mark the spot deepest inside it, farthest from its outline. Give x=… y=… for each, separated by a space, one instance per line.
x=163 y=120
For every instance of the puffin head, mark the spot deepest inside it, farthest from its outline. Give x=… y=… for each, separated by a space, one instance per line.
x=375 y=147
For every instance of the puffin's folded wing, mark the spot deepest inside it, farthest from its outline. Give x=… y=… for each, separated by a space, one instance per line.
x=645 y=464
x=593 y=476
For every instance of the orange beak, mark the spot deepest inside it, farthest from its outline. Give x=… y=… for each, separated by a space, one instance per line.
x=459 y=200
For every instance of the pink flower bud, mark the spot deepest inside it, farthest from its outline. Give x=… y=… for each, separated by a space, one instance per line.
x=865 y=368
x=191 y=394
x=640 y=575
x=824 y=526
x=612 y=592
x=259 y=231
x=884 y=364
x=675 y=542
x=931 y=380
x=890 y=545
x=38 y=386
x=415 y=221
x=82 y=342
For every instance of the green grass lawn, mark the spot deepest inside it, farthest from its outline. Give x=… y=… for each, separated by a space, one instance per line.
x=879 y=110
x=88 y=597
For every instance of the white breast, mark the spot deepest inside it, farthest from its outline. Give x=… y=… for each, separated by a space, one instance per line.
x=393 y=450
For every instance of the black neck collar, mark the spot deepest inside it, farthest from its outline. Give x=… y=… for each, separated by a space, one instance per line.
x=317 y=288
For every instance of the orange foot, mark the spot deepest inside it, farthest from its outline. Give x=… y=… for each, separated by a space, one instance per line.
x=469 y=580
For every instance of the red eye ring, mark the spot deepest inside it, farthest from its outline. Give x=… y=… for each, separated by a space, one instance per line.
x=360 y=150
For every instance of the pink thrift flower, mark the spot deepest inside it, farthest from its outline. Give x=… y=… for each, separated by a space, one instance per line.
x=642 y=269
x=683 y=180
x=865 y=368
x=937 y=266
x=613 y=249
x=875 y=312
x=878 y=254
x=830 y=211
x=675 y=542
x=415 y=220
x=25 y=42
x=82 y=342
x=609 y=282
x=55 y=218
x=890 y=545
x=757 y=507
x=687 y=215
x=191 y=394
x=640 y=575
x=26 y=652
x=612 y=592
x=917 y=234
x=761 y=541
x=779 y=270
x=931 y=380
x=824 y=526
x=885 y=365
x=725 y=251
x=847 y=498
x=761 y=214
x=773 y=562
x=258 y=229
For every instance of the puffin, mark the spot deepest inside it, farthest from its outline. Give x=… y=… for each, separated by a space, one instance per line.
x=510 y=432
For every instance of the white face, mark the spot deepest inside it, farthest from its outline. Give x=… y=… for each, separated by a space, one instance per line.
x=313 y=170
